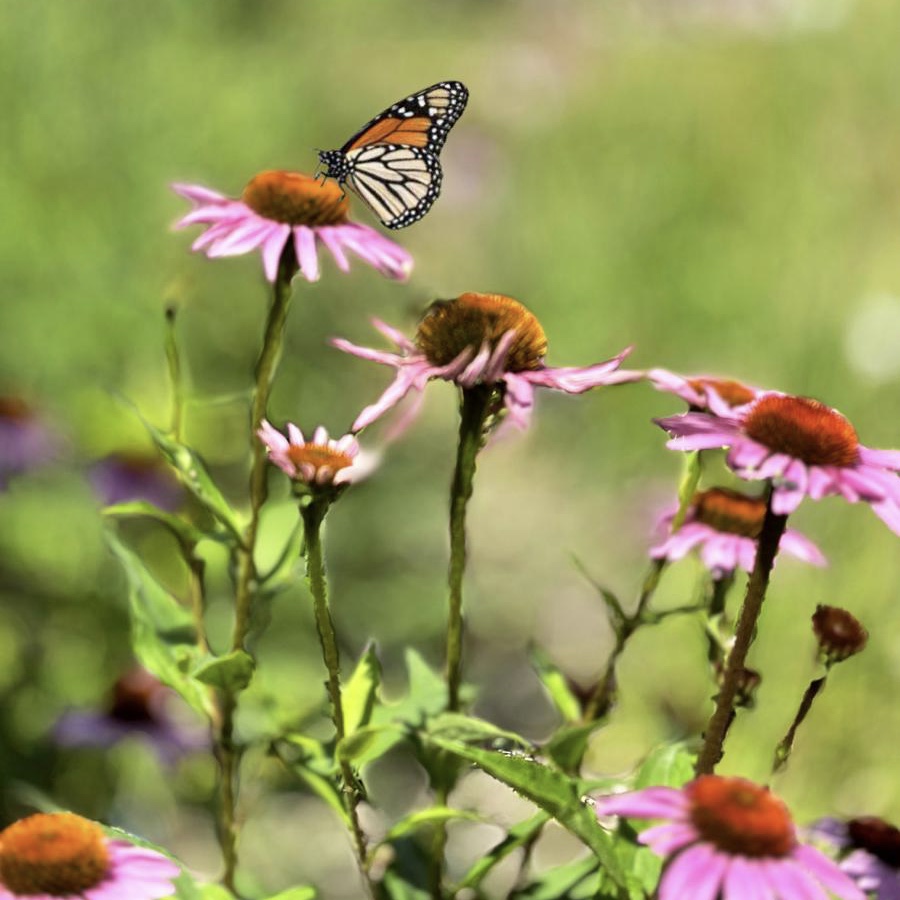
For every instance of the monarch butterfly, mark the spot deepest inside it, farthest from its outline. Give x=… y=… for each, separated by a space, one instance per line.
x=392 y=162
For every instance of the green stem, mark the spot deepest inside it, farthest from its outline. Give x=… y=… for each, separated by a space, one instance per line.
x=766 y=551
x=313 y=513
x=227 y=751
x=474 y=411
x=176 y=382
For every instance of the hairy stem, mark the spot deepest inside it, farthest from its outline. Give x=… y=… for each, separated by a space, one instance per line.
x=766 y=551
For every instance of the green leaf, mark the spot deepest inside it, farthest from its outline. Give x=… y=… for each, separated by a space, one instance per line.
x=315 y=766
x=360 y=691
x=567 y=745
x=429 y=816
x=563 y=882
x=281 y=575
x=556 y=685
x=517 y=836
x=162 y=630
x=552 y=791
x=215 y=892
x=472 y=730
x=687 y=486
x=369 y=743
x=669 y=765
x=296 y=893
x=231 y=672
x=426 y=694
x=193 y=474
x=181 y=528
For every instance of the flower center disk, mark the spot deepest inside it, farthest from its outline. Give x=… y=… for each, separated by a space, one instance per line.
x=739 y=817
x=472 y=321
x=52 y=853
x=804 y=429
x=318 y=457
x=296 y=199
x=732 y=392
x=730 y=511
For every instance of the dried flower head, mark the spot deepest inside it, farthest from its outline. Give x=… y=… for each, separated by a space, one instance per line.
x=840 y=634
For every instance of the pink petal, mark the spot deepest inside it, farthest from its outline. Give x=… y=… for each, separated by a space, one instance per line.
x=746 y=456
x=784 y=501
x=802 y=547
x=886 y=459
x=402 y=384
x=331 y=241
x=790 y=880
x=678 y=545
x=889 y=513
x=379 y=356
x=518 y=399
x=722 y=552
x=577 y=379
x=665 y=839
x=397 y=337
x=272 y=437
x=827 y=872
x=295 y=435
x=745 y=880
x=696 y=873
x=307 y=258
x=272 y=249
x=198 y=194
x=474 y=369
x=649 y=803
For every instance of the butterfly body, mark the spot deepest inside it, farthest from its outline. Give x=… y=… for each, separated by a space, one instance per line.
x=392 y=163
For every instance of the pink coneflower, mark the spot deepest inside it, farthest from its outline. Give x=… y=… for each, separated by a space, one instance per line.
x=319 y=462
x=276 y=207
x=723 y=525
x=139 y=706
x=803 y=446
x=696 y=389
x=731 y=839
x=51 y=855
x=479 y=339
x=870 y=849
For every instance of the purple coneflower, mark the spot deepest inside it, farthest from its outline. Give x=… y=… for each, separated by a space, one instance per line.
x=61 y=855
x=120 y=477
x=870 y=849
x=723 y=525
x=276 y=207
x=140 y=705
x=696 y=389
x=477 y=339
x=25 y=441
x=731 y=839
x=319 y=462
x=803 y=446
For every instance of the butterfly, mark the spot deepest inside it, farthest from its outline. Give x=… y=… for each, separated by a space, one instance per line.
x=392 y=162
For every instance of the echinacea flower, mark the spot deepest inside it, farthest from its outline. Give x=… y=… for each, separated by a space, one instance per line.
x=318 y=462
x=870 y=852
x=277 y=207
x=476 y=339
x=723 y=525
x=120 y=477
x=26 y=442
x=696 y=389
x=806 y=448
x=139 y=706
x=731 y=839
x=61 y=855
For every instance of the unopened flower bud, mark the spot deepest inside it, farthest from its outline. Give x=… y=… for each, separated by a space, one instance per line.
x=840 y=635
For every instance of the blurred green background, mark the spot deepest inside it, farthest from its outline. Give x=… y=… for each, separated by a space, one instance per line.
x=716 y=183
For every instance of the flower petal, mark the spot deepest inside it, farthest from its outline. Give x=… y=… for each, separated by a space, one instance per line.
x=696 y=873
x=827 y=873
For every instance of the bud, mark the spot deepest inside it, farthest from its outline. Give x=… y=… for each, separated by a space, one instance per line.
x=840 y=635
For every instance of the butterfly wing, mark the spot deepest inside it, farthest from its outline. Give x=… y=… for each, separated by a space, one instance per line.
x=392 y=162
x=397 y=181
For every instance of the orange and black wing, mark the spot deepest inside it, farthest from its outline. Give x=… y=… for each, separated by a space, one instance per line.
x=392 y=163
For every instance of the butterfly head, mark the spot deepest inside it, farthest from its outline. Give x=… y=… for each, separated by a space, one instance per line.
x=334 y=163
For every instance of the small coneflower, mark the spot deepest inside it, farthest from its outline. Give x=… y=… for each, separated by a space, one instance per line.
x=839 y=633
x=806 y=448
x=731 y=839
x=477 y=339
x=139 y=706
x=277 y=207
x=723 y=526
x=869 y=850
x=26 y=442
x=698 y=390
x=125 y=476
x=318 y=462
x=52 y=855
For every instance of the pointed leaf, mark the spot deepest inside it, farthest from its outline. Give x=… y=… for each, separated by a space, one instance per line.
x=426 y=695
x=552 y=791
x=162 y=630
x=369 y=743
x=556 y=685
x=360 y=691
x=563 y=882
x=231 y=672
x=687 y=486
x=428 y=817
x=472 y=730
x=567 y=745
x=181 y=528
x=669 y=765
x=315 y=767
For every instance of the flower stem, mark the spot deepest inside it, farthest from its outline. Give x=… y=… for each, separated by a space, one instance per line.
x=176 y=381
x=783 y=750
x=474 y=410
x=226 y=750
x=313 y=513
x=766 y=551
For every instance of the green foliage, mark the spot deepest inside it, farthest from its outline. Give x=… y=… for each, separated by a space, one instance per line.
x=231 y=672
x=316 y=767
x=361 y=691
x=554 y=681
x=295 y=893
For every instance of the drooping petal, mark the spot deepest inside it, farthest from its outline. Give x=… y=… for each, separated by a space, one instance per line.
x=307 y=258
x=518 y=399
x=577 y=379
x=789 y=879
x=665 y=839
x=696 y=873
x=745 y=880
x=649 y=803
x=827 y=873
x=802 y=547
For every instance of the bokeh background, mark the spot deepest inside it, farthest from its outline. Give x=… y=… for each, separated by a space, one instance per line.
x=716 y=183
